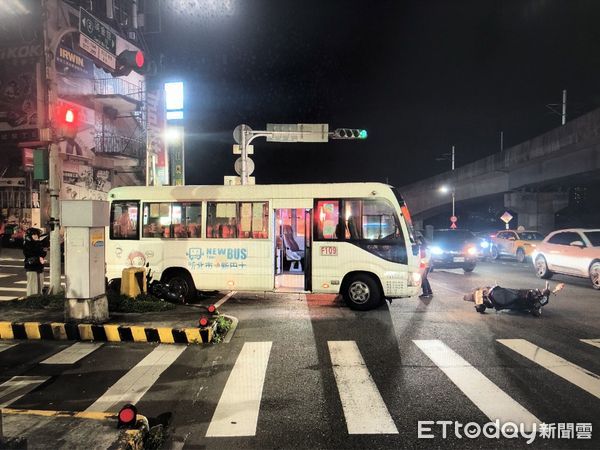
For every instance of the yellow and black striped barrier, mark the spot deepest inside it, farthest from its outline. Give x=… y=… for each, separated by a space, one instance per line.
x=104 y=333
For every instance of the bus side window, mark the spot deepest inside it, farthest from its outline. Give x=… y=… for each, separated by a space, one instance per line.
x=124 y=220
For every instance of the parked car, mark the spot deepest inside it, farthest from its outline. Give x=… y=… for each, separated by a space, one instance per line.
x=574 y=251
x=516 y=244
x=453 y=249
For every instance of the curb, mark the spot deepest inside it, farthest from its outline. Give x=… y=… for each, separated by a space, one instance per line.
x=57 y=331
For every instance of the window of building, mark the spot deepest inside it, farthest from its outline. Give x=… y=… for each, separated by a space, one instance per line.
x=124 y=219
x=237 y=220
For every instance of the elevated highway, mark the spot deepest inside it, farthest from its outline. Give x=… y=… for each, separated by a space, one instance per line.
x=533 y=177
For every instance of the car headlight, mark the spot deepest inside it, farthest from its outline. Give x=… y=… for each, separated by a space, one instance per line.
x=484 y=244
x=472 y=251
x=436 y=250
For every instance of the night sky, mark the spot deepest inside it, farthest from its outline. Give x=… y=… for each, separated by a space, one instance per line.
x=419 y=75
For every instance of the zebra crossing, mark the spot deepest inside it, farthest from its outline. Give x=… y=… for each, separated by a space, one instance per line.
x=364 y=409
x=17 y=278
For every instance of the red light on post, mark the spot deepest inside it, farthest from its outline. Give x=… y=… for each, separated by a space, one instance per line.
x=139 y=59
x=203 y=322
x=211 y=309
x=127 y=416
x=69 y=116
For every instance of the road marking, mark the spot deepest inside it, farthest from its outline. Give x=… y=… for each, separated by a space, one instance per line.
x=7 y=297
x=135 y=383
x=4 y=275
x=594 y=342
x=73 y=353
x=15 y=388
x=5 y=346
x=13 y=289
x=363 y=406
x=237 y=411
x=11 y=259
x=489 y=398
x=580 y=377
x=12 y=266
x=224 y=299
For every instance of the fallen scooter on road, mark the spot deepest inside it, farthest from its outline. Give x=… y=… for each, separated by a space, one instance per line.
x=499 y=298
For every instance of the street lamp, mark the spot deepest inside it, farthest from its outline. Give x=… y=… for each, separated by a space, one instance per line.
x=446 y=189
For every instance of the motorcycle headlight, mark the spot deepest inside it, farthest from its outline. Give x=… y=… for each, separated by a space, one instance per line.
x=436 y=250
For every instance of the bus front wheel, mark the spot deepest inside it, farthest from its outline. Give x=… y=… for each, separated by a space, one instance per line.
x=183 y=283
x=362 y=293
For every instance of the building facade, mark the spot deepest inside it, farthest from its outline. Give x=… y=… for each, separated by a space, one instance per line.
x=66 y=55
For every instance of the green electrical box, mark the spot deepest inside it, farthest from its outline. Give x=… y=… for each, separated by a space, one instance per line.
x=40 y=164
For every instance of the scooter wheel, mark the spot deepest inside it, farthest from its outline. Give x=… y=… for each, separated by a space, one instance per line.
x=537 y=310
x=480 y=309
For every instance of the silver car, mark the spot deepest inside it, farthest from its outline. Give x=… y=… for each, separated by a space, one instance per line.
x=574 y=251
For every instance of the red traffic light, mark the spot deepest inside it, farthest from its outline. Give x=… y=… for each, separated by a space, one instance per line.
x=139 y=59
x=129 y=60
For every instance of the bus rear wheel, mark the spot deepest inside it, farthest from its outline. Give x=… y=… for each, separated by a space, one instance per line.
x=183 y=283
x=362 y=293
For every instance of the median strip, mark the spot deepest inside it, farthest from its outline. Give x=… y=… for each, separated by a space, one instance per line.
x=105 y=333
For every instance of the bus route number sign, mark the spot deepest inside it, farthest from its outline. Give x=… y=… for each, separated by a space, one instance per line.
x=328 y=250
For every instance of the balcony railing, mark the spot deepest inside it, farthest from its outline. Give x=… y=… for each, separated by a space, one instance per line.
x=120 y=145
x=118 y=86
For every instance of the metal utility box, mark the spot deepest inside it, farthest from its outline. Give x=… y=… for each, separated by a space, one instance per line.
x=84 y=213
x=85 y=222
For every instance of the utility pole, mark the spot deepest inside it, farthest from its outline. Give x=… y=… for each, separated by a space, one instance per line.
x=50 y=135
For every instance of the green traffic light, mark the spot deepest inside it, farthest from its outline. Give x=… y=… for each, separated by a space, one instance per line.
x=362 y=134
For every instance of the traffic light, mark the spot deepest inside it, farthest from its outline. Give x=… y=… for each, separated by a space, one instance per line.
x=129 y=60
x=349 y=133
x=67 y=122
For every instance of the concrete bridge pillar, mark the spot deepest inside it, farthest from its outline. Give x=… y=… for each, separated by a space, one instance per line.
x=536 y=209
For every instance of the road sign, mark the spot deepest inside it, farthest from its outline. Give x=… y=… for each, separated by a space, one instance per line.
x=298 y=132
x=453 y=226
x=453 y=219
x=97 y=39
x=237 y=150
x=238 y=166
x=506 y=217
x=237 y=133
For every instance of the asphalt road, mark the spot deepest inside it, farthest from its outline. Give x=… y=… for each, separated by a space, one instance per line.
x=307 y=372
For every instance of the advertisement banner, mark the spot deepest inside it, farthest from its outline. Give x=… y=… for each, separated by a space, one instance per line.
x=75 y=72
x=18 y=92
x=155 y=135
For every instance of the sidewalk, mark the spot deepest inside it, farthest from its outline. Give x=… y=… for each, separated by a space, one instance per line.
x=179 y=325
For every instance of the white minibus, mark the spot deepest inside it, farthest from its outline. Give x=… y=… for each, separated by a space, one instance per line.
x=354 y=239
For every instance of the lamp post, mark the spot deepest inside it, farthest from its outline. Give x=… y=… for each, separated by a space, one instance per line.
x=452 y=188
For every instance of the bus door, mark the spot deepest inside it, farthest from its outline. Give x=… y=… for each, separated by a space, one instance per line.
x=292 y=241
x=307 y=249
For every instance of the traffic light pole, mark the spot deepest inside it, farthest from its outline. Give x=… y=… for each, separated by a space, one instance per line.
x=53 y=150
x=244 y=135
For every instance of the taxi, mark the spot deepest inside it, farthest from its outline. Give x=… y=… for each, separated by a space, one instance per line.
x=518 y=244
